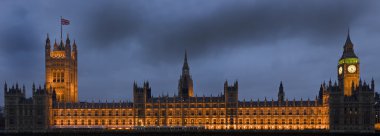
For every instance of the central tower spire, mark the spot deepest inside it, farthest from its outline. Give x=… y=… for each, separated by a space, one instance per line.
x=185 y=85
x=185 y=68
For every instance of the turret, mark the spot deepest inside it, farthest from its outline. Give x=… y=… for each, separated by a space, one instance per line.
x=68 y=47
x=5 y=87
x=236 y=85
x=330 y=83
x=16 y=85
x=34 y=87
x=55 y=45
x=320 y=94
x=23 y=89
x=74 y=51
x=281 y=93
x=225 y=85
x=47 y=47
x=147 y=90
x=373 y=85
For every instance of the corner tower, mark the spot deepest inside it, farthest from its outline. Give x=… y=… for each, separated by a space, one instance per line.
x=61 y=70
x=348 y=68
x=185 y=85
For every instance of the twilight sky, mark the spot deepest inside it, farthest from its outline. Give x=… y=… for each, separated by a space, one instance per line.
x=258 y=43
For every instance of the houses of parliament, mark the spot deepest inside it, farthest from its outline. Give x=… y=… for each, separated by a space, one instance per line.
x=347 y=105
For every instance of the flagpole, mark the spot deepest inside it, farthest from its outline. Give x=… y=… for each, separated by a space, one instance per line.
x=61 y=27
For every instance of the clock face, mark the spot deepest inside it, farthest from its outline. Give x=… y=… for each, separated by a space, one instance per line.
x=351 y=68
x=340 y=70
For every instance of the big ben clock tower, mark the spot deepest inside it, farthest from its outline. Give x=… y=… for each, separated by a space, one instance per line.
x=348 y=68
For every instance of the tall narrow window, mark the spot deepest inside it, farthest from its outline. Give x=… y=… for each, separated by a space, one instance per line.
x=58 y=76
x=62 y=77
x=54 y=77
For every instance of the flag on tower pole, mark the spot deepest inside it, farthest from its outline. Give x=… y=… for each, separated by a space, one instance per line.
x=64 y=22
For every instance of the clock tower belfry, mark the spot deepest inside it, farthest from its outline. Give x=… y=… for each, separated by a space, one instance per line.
x=348 y=68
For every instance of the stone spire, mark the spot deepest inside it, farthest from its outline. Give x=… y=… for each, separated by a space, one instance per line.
x=68 y=46
x=348 y=51
x=185 y=85
x=185 y=68
x=55 y=45
x=281 y=93
x=47 y=45
x=5 y=87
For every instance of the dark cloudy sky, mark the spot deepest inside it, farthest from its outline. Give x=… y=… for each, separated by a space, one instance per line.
x=258 y=43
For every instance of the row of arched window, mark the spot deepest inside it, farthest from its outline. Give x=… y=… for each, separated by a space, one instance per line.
x=94 y=113
x=93 y=122
x=193 y=121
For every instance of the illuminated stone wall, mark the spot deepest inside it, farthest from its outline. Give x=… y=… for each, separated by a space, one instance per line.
x=61 y=70
x=292 y=115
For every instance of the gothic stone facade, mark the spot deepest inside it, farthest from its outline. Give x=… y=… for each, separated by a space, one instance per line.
x=335 y=109
x=61 y=70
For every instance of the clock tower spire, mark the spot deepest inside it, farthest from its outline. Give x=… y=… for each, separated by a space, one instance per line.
x=348 y=68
